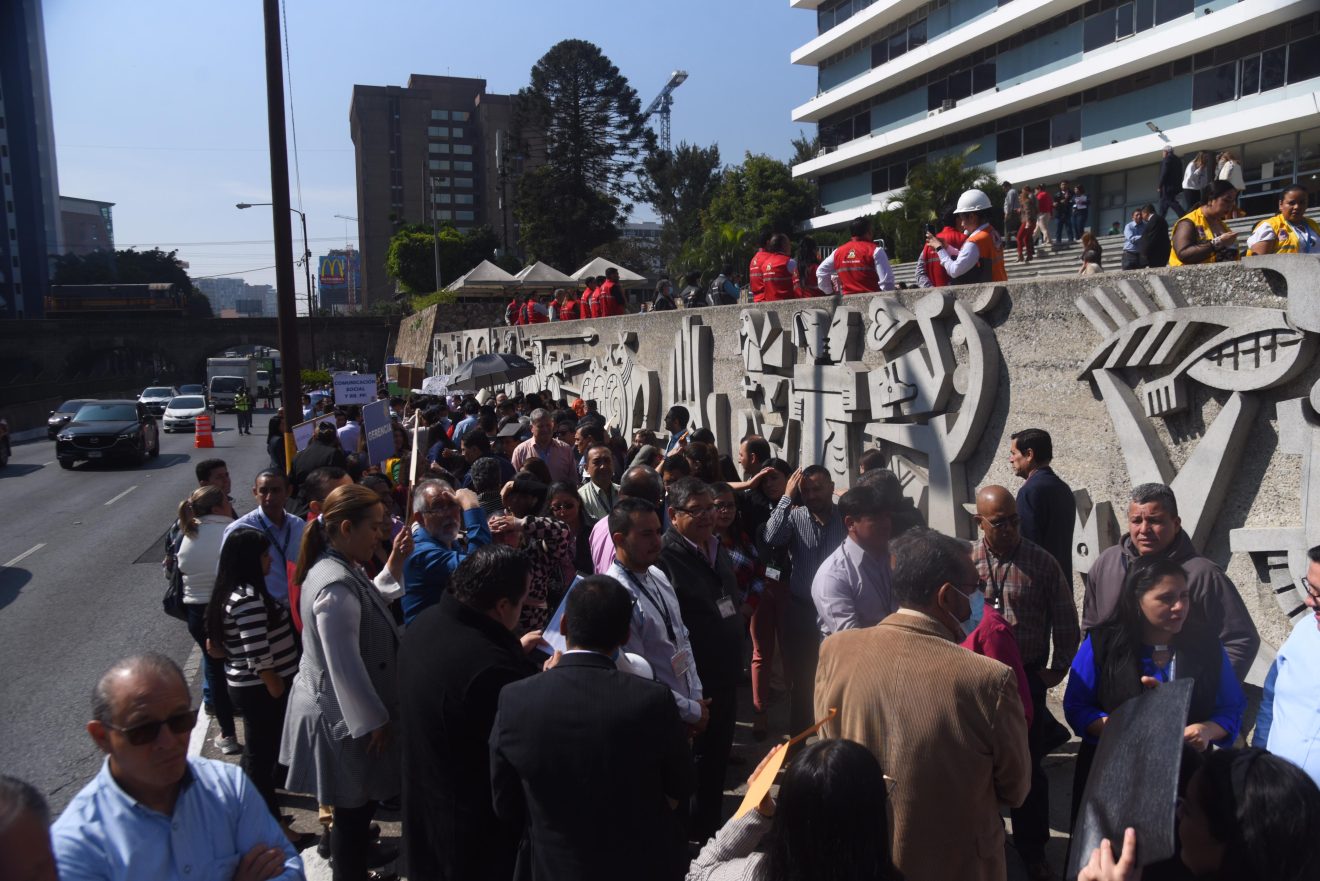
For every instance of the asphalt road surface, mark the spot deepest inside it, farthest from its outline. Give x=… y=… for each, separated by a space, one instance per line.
x=81 y=584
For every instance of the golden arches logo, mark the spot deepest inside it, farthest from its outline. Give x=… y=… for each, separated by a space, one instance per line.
x=334 y=271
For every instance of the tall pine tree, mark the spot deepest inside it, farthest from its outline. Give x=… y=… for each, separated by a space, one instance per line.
x=582 y=118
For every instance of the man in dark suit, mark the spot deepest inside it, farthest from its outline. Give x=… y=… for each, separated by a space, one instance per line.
x=707 y=590
x=1045 y=504
x=454 y=660
x=1155 y=245
x=591 y=760
x=1170 y=183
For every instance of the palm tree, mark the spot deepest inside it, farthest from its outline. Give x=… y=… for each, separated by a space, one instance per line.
x=931 y=194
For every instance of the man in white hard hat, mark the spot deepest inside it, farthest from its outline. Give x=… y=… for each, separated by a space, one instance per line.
x=981 y=258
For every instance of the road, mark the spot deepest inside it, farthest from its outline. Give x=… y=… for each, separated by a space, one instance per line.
x=80 y=586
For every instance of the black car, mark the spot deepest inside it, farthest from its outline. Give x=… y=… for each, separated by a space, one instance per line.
x=60 y=416
x=108 y=430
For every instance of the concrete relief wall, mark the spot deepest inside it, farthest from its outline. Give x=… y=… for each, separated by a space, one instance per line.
x=1202 y=378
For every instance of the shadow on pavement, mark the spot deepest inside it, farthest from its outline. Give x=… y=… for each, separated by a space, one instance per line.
x=18 y=470
x=12 y=582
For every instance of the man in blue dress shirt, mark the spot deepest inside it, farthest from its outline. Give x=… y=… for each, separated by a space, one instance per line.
x=440 y=514
x=1288 y=724
x=271 y=490
x=152 y=812
x=852 y=587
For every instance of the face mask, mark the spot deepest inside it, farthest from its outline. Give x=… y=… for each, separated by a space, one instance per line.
x=977 y=601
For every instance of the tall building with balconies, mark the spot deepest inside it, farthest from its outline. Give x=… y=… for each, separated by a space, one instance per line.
x=1046 y=90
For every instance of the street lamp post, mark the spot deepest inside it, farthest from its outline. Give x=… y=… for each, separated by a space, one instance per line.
x=307 y=267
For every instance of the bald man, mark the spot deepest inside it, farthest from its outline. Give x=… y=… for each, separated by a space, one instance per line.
x=153 y=812
x=1024 y=583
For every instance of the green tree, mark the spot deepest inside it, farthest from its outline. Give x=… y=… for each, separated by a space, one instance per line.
x=679 y=184
x=761 y=195
x=805 y=148
x=931 y=192
x=583 y=118
x=411 y=255
x=134 y=267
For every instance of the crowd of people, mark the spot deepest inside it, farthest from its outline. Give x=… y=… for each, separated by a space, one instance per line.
x=535 y=651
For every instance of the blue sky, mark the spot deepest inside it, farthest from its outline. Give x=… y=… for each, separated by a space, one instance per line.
x=160 y=106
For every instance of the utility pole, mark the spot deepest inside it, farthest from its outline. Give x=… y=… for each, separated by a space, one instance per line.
x=283 y=228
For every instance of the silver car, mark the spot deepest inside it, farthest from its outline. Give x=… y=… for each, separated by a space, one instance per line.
x=156 y=397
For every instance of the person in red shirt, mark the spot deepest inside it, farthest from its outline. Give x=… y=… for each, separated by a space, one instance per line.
x=754 y=270
x=570 y=308
x=1046 y=204
x=859 y=266
x=777 y=270
x=589 y=298
x=930 y=273
x=804 y=279
x=534 y=311
x=609 y=296
x=513 y=313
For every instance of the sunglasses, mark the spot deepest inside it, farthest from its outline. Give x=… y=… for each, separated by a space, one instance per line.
x=147 y=732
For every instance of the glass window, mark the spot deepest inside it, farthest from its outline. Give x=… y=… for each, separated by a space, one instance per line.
x=983 y=77
x=1168 y=10
x=1214 y=86
x=1036 y=137
x=960 y=84
x=1268 y=159
x=462 y=165
x=443 y=198
x=1008 y=145
x=880 y=180
x=463 y=182
x=438 y=131
x=463 y=149
x=462 y=115
x=1098 y=30
x=444 y=215
x=1304 y=60
x=1066 y=128
x=1145 y=15
x=465 y=215
x=438 y=148
x=440 y=114
x=440 y=181
x=879 y=53
x=1125 y=24
x=936 y=92
x=1273 y=68
x=898 y=45
x=439 y=164
x=1250 y=75
x=457 y=131
x=917 y=34
x=462 y=198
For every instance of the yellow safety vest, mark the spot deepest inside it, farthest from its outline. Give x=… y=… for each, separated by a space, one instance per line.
x=1204 y=233
x=1285 y=235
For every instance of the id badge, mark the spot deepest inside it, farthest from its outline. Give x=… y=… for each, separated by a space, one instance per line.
x=726 y=607
x=773 y=574
x=681 y=662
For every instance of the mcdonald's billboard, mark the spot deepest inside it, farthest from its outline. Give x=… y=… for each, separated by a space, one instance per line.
x=333 y=272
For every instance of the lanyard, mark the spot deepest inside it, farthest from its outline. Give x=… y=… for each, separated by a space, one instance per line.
x=997 y=585
x=657 y=602
x=281 y=546
x=1304 y=236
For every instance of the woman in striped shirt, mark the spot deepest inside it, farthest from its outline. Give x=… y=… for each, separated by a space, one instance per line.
x=261 y=655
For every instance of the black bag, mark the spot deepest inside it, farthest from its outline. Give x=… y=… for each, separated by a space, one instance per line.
x=172 y=601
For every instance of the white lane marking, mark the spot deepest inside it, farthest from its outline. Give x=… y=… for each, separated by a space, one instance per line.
x=121 y=495
x=198 y=737
x=23 y=556
x=51 y=462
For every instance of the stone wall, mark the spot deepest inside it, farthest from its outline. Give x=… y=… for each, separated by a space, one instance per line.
x=1204 y=378
x=416 y=332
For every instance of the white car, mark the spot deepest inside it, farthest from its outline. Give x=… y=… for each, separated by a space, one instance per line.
x=156 y=397
x=181 y=413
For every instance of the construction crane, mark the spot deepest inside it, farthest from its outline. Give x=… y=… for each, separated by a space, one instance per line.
x=660 y=106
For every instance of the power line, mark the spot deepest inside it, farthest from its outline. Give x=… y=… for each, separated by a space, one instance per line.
x=158 y=243
x=193 y=149
x=293 y=119
x=236 y=272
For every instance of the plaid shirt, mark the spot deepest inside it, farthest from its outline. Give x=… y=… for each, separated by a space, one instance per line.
x=809 y=542
x=1030 y=590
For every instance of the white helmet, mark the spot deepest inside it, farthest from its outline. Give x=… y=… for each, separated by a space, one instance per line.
x=972 y=202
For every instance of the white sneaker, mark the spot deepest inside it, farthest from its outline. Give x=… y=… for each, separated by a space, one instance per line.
x=228 y=745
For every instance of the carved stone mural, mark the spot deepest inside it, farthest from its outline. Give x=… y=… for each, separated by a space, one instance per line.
x=1204 y=378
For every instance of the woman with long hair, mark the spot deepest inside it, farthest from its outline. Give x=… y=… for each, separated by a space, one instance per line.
x=1247 y=816
x=1202 y=234
x=337 y=739
x=829 y=823
x=203 y=517
x=260 y=655
x=1151 y=638
x=545 y=540
x=566 y=507
x=747 y=567
x=1196 y=176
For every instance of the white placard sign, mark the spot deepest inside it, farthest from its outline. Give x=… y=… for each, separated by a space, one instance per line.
x=435 y=385
x=304 y=431
x=355 y=388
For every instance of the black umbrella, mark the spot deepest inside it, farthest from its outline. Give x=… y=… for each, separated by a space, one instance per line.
x=484 y=371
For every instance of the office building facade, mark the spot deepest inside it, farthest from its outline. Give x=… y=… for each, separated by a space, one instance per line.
x=30 y=233
x=434 y=151
x=88 y=225
x=1046 y=90
x=339 y=280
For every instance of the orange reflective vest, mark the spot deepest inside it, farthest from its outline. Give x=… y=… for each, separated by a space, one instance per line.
x=990 y=266
x=855 y=264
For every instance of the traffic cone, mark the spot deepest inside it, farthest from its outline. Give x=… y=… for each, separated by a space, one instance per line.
x=202 y=438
